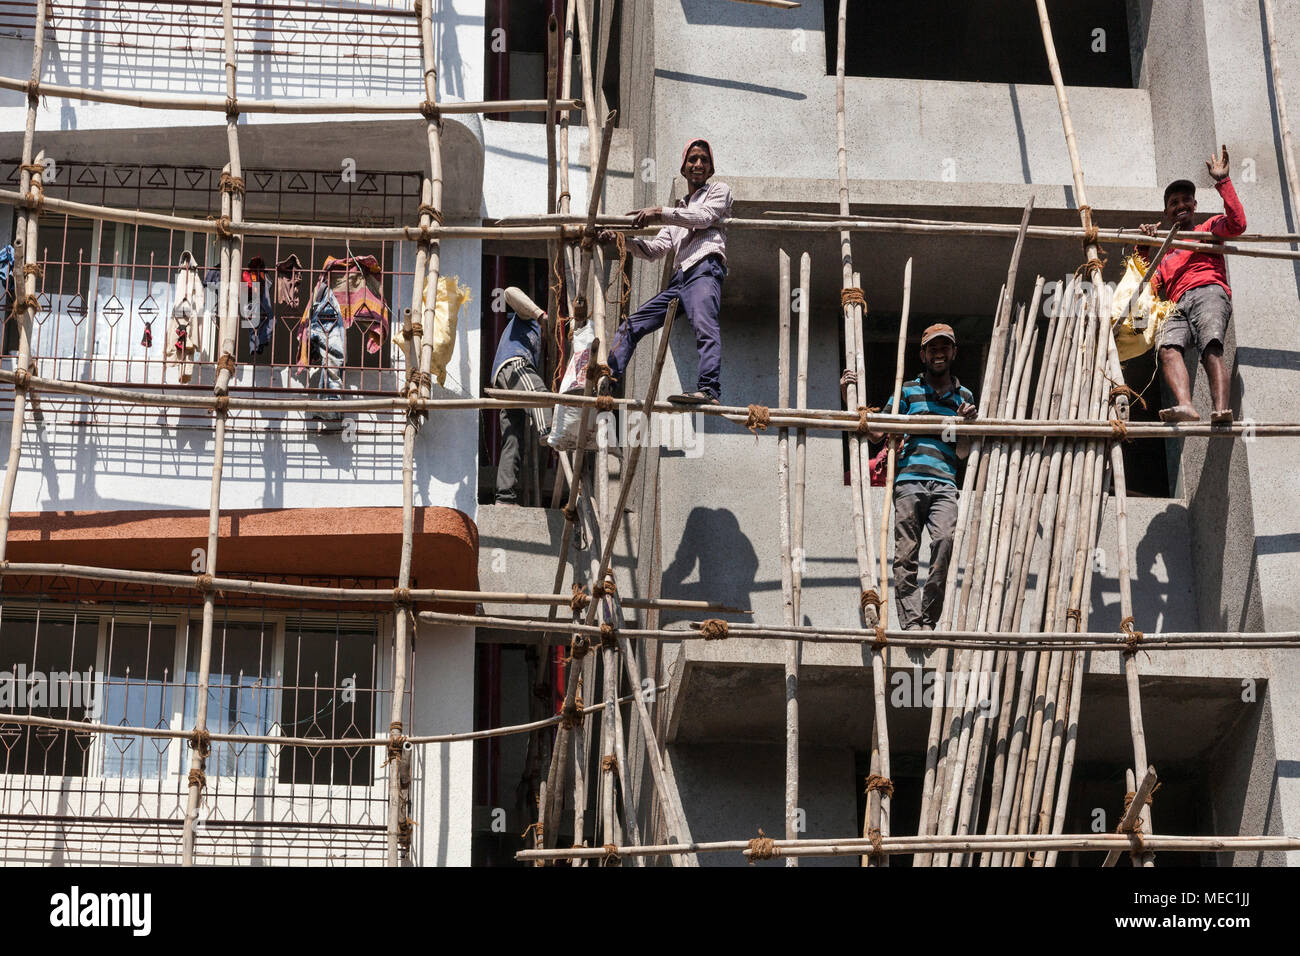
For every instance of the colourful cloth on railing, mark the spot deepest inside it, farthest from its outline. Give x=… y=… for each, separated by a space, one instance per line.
x=356 y=286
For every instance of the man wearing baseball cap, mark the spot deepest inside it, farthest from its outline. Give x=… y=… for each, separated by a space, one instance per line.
x=1198 y=282
x=925 y=490
x=693 y=230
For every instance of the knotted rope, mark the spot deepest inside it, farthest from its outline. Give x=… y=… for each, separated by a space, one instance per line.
x=714 y=629
x=762 y=847
x=852 y=295
x=1133 y=636
x=1119 y=430
x=876 y=782
x=759 y=418
x=1133 y=396
x=580 y=599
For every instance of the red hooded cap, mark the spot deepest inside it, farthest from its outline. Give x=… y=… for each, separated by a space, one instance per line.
x=697 y=141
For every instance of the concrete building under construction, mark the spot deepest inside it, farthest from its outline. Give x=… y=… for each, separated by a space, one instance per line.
x=377 y=129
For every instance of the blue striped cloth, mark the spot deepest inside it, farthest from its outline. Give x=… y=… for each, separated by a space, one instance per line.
x=926 y=457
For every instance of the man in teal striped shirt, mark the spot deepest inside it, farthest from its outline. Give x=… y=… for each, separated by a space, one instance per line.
x=925 y=489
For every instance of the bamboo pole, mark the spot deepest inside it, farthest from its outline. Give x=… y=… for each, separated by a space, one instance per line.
x=321 y=106
x=790 y=683
x=1283 y=122
x=854 y=846
x=31 y=191
x=89 y=727
x=1132 y=812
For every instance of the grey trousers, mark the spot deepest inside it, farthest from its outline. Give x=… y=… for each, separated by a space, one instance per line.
x=517 y=374
x=931 y=505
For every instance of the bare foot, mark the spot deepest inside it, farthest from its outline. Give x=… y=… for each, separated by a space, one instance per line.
x=1222 y=416
x=1179 y=413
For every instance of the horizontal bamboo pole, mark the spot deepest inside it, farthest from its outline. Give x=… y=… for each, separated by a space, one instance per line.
x=316 y=593
x=218 y=104
x=88 y=727
x=854 y=846
x=995 y=640
x=548 y=228
x=827 y=419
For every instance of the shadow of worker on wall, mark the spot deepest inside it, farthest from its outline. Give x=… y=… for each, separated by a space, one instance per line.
x=727 y=562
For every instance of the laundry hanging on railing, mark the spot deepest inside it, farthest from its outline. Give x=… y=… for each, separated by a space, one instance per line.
x=187 y=324
x=452 y=297
x=256 y=306
x=6 y=280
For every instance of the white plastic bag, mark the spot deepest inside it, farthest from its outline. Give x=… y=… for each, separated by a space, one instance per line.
x=567 y=420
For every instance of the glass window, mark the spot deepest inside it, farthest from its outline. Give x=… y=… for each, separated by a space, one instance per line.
x=242 y=693
x=138 y=693
x=329 y=692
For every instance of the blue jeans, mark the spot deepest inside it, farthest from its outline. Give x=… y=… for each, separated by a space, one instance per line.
x=699 y=290
x=327 y=348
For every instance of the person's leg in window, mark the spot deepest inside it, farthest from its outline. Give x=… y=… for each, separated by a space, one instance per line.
x=909 y=516
x=940 y=522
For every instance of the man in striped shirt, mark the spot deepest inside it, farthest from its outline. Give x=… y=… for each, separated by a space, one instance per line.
x=925 y=490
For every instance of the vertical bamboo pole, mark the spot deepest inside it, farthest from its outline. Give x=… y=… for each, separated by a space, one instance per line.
x=25 y=253
x=1283 y=122
x=791 y=674
x=433 y=248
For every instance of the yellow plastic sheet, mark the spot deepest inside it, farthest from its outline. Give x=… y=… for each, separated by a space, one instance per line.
x=452 y=296
x=1131 y=340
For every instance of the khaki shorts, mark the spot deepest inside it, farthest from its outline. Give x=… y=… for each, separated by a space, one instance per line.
x=1201 y=318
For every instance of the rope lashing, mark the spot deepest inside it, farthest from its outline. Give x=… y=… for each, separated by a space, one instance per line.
x=602 y=370
x=201 y=741
x=852 y=295
x=559 y=200
x=28 y=301
x=600 y=590
x=877 y=843
x=876 y=782
x=232 y=107
x=570 y=514
x=762 y=847
x=33 y=91
x=580 y=599
x=1133 y=396
x=431 y=212
x=571 y=716
x=417 y=330
x=870 y=599
x=714 y=629
x=231 y=184
x=429 y=110
x=1086 y=269
x=604 y=403
x=536 y=828
x=759 y=418
x=580 y=309
x=880 y=640
x=34 y=269
x=1074 y=614
x=396 y=743
x=1128 y=802
x=418 y=380
x=20 y=378
x=221 y=403
x=611 y=854
x=863 y=412
x=419 y=233
x=1090 y=231
x=578 y=648
x=204 y=582
x=227 y=361
x=402 y=596
x=198 y=778
x=31 y=167
x=608 y=764
x=1119 y=430
x=1133 y=636
x=608 y=640
x=223 y=226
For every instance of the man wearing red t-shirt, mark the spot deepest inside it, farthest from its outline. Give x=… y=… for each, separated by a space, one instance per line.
x=1198 y=283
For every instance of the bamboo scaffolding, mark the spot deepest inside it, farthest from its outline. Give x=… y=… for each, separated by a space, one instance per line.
x=854 y=846
x=1121 y=412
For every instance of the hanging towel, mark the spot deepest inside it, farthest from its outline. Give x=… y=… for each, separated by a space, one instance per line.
x=185 y=326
